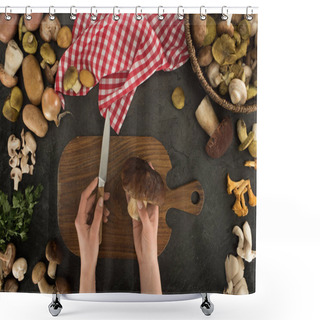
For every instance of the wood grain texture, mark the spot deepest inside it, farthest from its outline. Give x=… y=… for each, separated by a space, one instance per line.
x=79 y=165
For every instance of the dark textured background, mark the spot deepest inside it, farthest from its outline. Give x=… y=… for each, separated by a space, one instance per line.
x=193 y=260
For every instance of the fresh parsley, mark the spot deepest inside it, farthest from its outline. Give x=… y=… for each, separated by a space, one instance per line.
x=15 y=218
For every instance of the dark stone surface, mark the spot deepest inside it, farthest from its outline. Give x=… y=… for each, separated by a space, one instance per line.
x=193 y=260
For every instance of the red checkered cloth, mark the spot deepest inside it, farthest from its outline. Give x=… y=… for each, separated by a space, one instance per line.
x=121 y=55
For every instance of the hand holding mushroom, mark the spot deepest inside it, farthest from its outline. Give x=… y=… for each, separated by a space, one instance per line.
x=88 y=234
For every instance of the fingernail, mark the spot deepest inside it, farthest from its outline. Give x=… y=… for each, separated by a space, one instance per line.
x=139 y=204
x=100 y=202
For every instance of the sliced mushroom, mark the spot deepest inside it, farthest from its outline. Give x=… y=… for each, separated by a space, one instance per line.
x=16 y=176
x=24 y=164
x=14 y=161
x=30 y=144
x=14 y=144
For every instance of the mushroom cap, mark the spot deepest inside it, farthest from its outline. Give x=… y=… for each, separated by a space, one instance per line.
x=7 y=80
x=86 y=78
x=62 y=285
x=64 y=37
x=16 y=172
x=49 y=28
x=19 y=268
x=47 y=53
x=11 y=285
x=30 y=142
x=224 y=27
x=38 y=272
x=70 y=78
x=10 y=255
x=141 y=182
x=53 y=252
x=34 y=23
x=221 y=139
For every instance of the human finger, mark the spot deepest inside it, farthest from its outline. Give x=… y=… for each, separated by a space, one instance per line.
x=143 y=213
x=150 y=164
x=90 y=202
x=106 y=213
x=98 y=213
x=106 y=196
x=86 y=193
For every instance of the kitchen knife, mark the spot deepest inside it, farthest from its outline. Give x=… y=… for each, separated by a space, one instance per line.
x=104 y=163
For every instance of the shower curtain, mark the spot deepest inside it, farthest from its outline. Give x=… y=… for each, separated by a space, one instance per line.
x=128 y=153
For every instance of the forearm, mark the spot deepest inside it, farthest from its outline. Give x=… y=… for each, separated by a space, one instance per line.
x=150 y=281
x=87 y=280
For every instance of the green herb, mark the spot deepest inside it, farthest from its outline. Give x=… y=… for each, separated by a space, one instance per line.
x=15 y=218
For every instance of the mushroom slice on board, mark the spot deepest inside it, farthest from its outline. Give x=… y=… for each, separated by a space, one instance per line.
x=14 y=144
x=136 y=174
x=16 y=176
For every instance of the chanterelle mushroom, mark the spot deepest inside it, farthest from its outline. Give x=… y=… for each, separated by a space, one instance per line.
x=38 y=277
x=19 y=268
x=8 y=259
x=71 y=81
x=14 y=144
x=142 y=183
x=16 y=175
x=54 y=256
x=244 y=249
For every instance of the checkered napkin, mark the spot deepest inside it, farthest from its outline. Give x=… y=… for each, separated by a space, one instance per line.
x=121 y=55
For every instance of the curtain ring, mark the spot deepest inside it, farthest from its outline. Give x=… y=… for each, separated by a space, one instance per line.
x=6 y=16
x=203 y=16
x=160 y=16
x=73 y=14
x=180 y=14
x=116 y=17
x=224 y=13
x=27 y=15
x=51 y=15
x=138 y=16
x=93 y=16
x=249 y=17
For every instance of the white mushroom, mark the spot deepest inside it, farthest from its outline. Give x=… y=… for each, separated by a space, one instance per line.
x=238 y=92
x=14 y=161
x=13 y=145
x=214 y=75
x=24 y=164
x=244 y=249
x=16 y=175
x=13 y=58
x=234 y=268
x=19 y=268
x=30 y=144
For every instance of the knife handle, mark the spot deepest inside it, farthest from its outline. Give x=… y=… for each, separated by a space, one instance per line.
x=100 y=194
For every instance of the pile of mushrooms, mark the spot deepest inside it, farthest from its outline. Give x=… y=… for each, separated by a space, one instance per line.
x=54 y=256
x=228 y=52
x=18 y=152
x=8 y=264
x=239 y=188
x=234 y=266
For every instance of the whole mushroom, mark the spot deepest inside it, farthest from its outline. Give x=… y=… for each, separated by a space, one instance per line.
x=8 y=27
x=8 y=259
x=238 y=92
x=19 y=268
x=71 y=81
x=213 y=74
x=34 y=23
x=141 y=183
x=49 y=28
x=54 y=256
x=38 y=277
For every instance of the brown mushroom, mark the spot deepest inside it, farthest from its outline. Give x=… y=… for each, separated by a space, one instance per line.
x=11 y=285
x=50 y=72
x=62 y=286
x=54 y=256
x=225 y=27
x=141 y=183
x=8 y=259
x=33 y=23
x=221 y=134
x=64 y=37
x=8 y=28
x=86 y=78
x=198 y=29
x=49 y=28
x=38 y=277
x=205 y=56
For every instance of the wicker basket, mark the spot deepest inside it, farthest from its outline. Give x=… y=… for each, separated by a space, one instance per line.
x=246 y=108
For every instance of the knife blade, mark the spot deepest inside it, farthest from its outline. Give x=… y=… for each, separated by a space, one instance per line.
x=103 y=169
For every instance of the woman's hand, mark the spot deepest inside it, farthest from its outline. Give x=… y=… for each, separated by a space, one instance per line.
x=88 y=235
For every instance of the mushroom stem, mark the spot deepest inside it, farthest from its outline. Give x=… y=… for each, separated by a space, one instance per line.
x=52 y=268
x=133 y=208
x=60 y=116
x=207 y=117
x=44 y=287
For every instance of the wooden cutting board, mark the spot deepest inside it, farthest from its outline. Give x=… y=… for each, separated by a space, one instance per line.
x=79 y=165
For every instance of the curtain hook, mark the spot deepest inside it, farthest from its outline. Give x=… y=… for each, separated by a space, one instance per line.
x=203 y=16
x=249 y=16
x=180 y=14
x=116 y=17
x=224 y=13
x=6 y=16
x=73 y=14
x=93 y=15
x=138 y=16
x=28 y=14
x=51 y=15
x=160 y=16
